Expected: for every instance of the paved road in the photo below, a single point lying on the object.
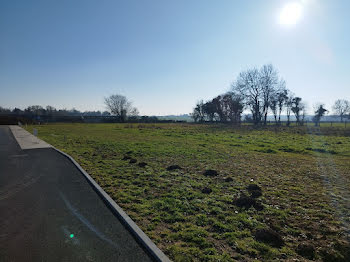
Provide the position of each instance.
(48, 211)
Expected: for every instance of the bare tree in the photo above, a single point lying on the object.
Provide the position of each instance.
(248, 85)
(119, 106)
(134, 112)
(259, 89)
(268, 76)
(341, 107)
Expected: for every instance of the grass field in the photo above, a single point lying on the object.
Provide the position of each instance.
(297, 204)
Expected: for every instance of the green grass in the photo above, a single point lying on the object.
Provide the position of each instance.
(304, 173)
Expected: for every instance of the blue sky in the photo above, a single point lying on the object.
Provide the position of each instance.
(165, 55)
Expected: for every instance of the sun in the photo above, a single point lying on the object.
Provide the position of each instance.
(291, 13)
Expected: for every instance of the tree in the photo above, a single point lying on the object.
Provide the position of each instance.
(282, 98)
(198, 114)
(134, 112)
(50, 110)
(319, 113)
(278, 101)
(209, 110)
(268, 76)
(218, 109)
(289, 106)
(258, 88)
(223, 108)
(273, 107)
(341, 107)
(17, 111)
(233, 106)
(248, 85)
(35, 110)
(298, 108)
(4, 110)
(119, 106)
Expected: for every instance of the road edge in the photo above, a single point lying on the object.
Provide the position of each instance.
(141, 237)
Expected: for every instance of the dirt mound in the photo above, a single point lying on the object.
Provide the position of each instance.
(254, 190)
(269, 236)
(142, 164)
(210, 172)
(206, 190)
(306, 250)
(173, 167)
(132, 161)
(247, 202)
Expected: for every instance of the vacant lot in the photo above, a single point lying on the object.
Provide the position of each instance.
(216, 193)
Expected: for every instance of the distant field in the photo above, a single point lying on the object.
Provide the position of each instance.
(303, 177)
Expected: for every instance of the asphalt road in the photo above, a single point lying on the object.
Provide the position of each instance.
(49, 212)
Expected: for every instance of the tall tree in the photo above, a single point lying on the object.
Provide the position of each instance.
(298, 108)
(198, 114)
(278, 101)
(289, 106)
(119, 106)
(233, 107)
(258, 88)
(282, 98)
(274, 107)
(248, 85)
(268, 76)
(341, 107)
(209, 110)
(228, 107)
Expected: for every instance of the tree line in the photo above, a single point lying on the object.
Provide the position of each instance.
(38, 111)
(261, 91)
(119, 109)
(117, 106)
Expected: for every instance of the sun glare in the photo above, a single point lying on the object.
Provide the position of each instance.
(291, 13)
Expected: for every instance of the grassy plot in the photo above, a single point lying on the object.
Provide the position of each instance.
(216, 193)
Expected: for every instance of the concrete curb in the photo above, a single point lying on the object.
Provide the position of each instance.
(140, 236)
(28, 141)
